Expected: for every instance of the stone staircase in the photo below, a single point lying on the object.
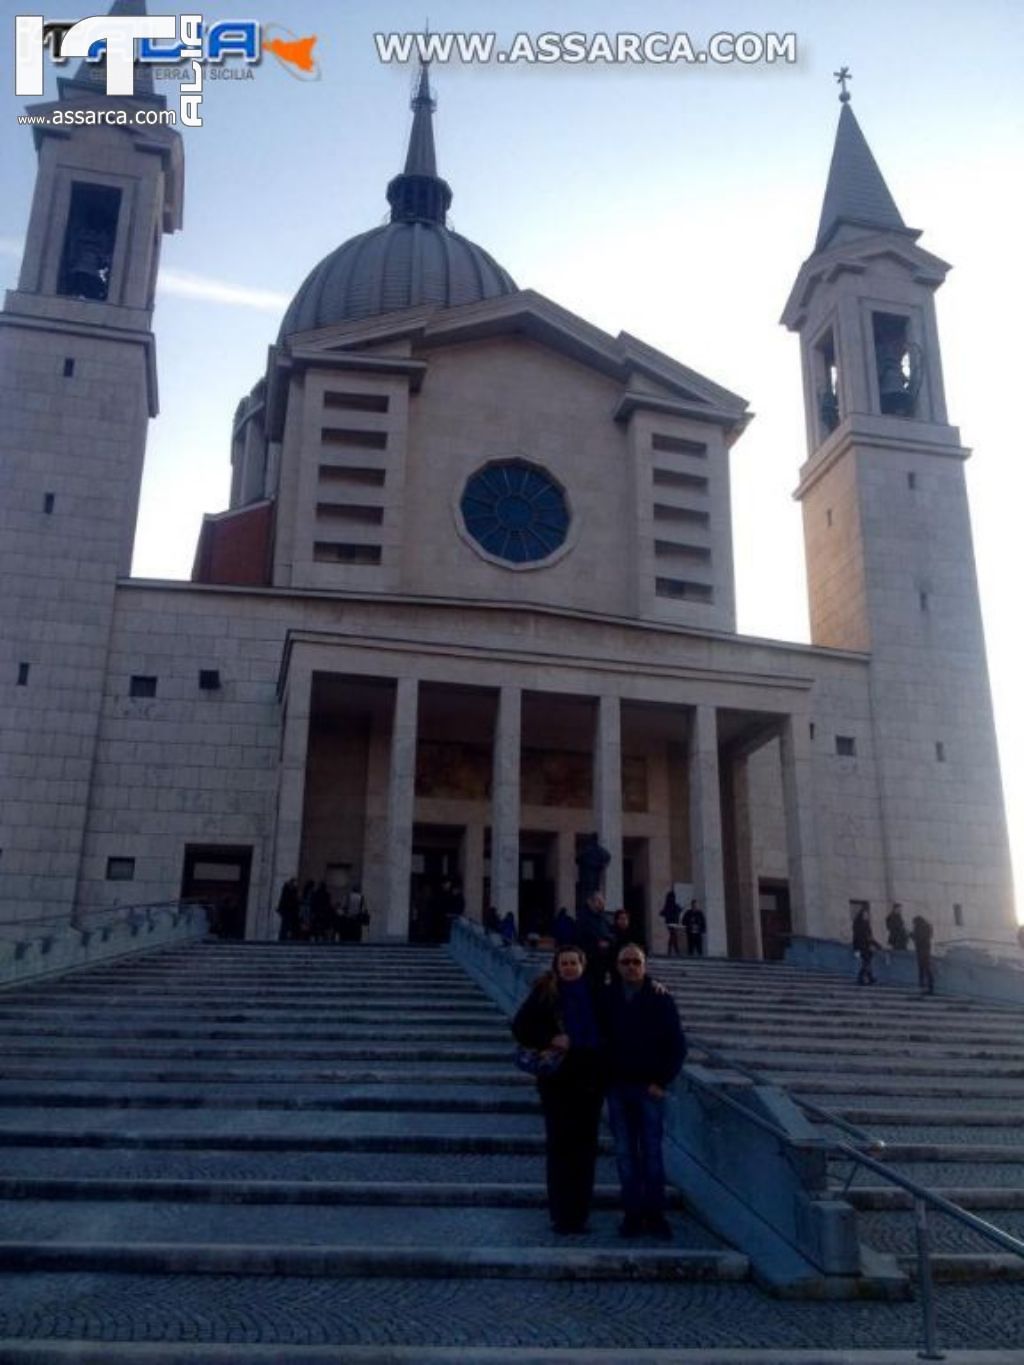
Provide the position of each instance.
(292, 1153)
(939, 1080)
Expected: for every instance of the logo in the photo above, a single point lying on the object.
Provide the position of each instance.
(295, 54)
(162, 39)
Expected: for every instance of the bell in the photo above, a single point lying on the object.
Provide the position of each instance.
(88, 272)
(894, 389)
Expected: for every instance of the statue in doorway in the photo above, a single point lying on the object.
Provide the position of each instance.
(591, 861)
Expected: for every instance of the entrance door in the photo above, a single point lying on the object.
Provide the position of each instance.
(634, 886)
(435, 872)
(536, 886)
(218, 874)
(776, 924)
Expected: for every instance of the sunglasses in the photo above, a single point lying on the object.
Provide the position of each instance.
(631, 962)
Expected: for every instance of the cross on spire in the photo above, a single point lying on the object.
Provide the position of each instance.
(842, 76)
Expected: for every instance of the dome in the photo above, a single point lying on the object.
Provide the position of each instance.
(414, 259)
(397, 265)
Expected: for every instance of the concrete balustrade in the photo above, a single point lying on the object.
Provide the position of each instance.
(767, 1196)
(63, 947)
(959, 969)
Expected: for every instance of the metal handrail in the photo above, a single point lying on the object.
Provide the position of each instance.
(922, 1196)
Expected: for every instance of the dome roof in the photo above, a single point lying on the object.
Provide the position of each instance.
(414, 259)
(398, 265)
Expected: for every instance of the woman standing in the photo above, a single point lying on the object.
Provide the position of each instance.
(560, 1016)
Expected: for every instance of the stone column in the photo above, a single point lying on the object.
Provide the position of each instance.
(566, 879)
(608, 794)
(401, 799)
(706, 825)
(473, 869)
(801, 834)
(505, 802)
(291, 784)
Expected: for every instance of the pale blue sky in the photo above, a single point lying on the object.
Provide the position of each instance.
(676, 203)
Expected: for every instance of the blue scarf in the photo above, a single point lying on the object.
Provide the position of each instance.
(578, 1013)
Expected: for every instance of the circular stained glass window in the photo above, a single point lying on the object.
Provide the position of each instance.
(515, 511)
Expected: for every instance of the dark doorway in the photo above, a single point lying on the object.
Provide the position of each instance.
(536, 885)
(634, 886)
(436, 853)
(218, 874)
(776, 923)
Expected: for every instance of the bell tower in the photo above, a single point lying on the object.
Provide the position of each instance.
(887, 534)
(78, 380)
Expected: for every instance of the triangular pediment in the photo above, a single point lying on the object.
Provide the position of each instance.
(645, 373)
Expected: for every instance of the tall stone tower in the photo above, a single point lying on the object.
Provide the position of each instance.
(78, 380)
(890, 562)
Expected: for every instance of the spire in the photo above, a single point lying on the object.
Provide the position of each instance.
(419, 194)
(93, 75)
(856, 193)
(420, 158)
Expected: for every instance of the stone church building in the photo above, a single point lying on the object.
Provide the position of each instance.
(473, 596)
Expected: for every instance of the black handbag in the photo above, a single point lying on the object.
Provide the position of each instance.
(539, 1062)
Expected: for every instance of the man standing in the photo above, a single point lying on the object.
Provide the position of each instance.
(646, 1050)
(594, 935)
(922, 935)
(696, 927)
(864, 945)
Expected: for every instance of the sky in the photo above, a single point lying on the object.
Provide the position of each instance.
(674, 202)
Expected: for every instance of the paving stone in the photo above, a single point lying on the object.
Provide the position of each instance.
(465, 1313)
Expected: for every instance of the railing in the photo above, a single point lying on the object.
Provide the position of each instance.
(923, 1199)
(90, 920)
(979, 974)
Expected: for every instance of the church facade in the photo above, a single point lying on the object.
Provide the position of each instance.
(472, 600)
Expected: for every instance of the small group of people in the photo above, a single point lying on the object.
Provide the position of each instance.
(435, 908)
(606, 1032)
(691, 921)
(311, 916)
(921, 933)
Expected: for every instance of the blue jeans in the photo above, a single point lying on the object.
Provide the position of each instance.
(637, 1122)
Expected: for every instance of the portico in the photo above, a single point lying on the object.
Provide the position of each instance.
(397, 777)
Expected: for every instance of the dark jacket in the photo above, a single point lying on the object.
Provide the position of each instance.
(646, 1041)
(899, 935)
(922, 936)
(540, 1017)
(694, 922)
(565, 930)
(863, 938)
(620, 937)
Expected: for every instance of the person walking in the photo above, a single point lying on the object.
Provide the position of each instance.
(671, 912)
(288, 911)
(623, 932)
(896, 929)
(322, 914)
(646, 1048)
(696, 927)
(922, 934)
(864, 945)
(562, 1015)
(564, 928)
(305, 930)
